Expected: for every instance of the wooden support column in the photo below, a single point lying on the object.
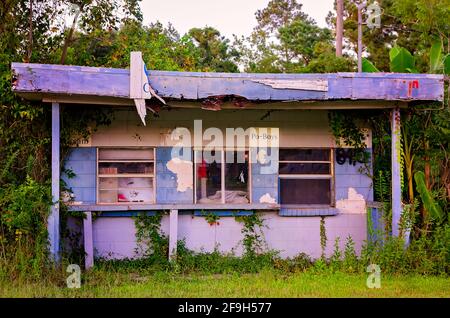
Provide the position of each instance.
(396, 171)
(53, 219)
(173, 234)
(88, 241)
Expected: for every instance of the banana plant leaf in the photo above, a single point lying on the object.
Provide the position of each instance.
(447, 64)
(436, 57)
(430, 205)
(401, 60)
(368, 67)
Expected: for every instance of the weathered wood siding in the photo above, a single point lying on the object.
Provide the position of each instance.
(43, 79)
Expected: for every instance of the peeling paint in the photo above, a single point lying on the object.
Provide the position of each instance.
(70, 80)
(354, 203)
(183, 171)
(261, 156)
(320, 85)
(266, 198)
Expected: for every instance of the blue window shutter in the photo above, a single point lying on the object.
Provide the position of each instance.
(83, 163)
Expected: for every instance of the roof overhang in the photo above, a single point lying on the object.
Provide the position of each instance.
(110, 86)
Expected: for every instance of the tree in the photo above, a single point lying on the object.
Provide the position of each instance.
(300, 38)
(324, 60)
(98, 15)
(284, 39)
(30, 31)
(411, 24)
(277, 14)
(214, 50)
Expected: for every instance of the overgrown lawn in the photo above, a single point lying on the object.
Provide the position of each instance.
(267, 283)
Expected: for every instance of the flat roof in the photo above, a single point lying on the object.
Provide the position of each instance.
(111, 86)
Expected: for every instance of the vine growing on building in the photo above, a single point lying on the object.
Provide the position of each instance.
(323, 236)
(382, 187)
(77, 126)
(346, 132)
(253, 240)
(151, 241)
(211, 218)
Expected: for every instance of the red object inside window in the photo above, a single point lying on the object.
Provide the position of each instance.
(201, 172)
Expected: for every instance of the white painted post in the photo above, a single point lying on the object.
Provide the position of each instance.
(396, 171)
(53, 219)
(137, 80)
(173, 234)
(88, 241)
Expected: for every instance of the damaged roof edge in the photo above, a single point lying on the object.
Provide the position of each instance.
(114, 83)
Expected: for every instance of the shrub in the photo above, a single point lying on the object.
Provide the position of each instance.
(24, 211)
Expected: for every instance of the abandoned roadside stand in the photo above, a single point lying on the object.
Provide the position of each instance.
(289, 170)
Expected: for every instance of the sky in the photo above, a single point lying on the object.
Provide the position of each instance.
(228, 16)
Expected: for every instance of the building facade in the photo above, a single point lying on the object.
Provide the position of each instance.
(219, 144)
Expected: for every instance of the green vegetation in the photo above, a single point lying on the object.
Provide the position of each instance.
(151, 242)
(404, 273)
(106, 283)
(285, 39)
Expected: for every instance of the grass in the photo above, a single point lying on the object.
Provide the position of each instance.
(267, 283)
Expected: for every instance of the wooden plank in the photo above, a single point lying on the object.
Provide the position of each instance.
(173, 233)
(137, 81)
(47, 80)
(297, 104)
(69, 80)
(166, 207)
(53, 219)
(73, 100)
(126, 213)
(126, 175)
(248, 89)
(136, 67)
(223, 213)
(396, 171)
(386, 87)
(302, 84)
(88, 241)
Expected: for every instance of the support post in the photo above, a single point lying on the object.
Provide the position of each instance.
(173, 234)
(88, 241)
(339, 26)
(396, 171)
(53, 219)
(360, 7)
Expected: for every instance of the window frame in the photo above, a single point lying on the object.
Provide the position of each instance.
(130, 175)
(223, 150)
(330, 176)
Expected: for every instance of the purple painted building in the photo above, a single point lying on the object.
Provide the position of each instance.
(226, 144)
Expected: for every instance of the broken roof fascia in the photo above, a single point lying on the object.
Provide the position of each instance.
(44, 81)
